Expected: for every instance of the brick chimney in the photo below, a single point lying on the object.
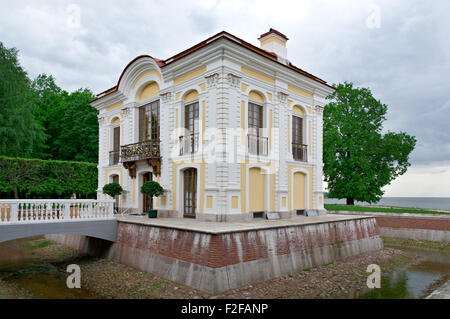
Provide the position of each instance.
(275, 41)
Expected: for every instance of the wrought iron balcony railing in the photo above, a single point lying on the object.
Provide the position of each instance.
(139, 151)
(114, 157)
(258, 145)
(189, 144)
(300, 152)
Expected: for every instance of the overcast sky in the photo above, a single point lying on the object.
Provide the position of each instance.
(399, 49)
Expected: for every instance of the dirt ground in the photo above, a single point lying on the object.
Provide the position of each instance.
(107, 279)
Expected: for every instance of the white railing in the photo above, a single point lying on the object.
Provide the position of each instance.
(51, 210)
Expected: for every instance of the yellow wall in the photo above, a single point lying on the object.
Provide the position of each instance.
(114, 106)
(256, 189)
(243, 187)
(257, 75)
(234, 202)
(299, 91)
(244, 87)
(202, 87)
(209, 202)
(191, 96)
(145, 74)
(115, 121)
(283, 201)
(273, 39)
(298, 110)
(290, 186)
(256, 96)
(299, 190)
(189, 75)
(149, 91)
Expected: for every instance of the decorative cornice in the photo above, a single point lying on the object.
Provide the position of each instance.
(319, 109)
(167, 97)
(234, 80)
(281, 97)
(212, 80)
(101, 120)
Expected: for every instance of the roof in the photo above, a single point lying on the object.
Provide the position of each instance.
(275, 32)
(221, 35)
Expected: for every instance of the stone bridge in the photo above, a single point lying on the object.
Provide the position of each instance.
(24, 218)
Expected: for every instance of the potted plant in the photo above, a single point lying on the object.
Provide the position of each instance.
(113, 189)
(152, 188)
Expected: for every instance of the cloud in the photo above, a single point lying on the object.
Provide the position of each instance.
(399, 49)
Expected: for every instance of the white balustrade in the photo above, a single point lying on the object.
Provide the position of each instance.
(51, 210)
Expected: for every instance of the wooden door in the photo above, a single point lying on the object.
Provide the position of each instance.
(147, 201)
(190, 192)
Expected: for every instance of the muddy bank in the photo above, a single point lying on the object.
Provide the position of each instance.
(35, 268)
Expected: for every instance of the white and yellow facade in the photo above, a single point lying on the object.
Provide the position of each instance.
(235, 177)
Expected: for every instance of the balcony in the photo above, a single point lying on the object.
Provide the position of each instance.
(188, 144)
(114, 157)
(258, 145)
(300, 152)
(140, 151)
(145, 150)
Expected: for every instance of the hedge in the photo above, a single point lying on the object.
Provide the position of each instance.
(35, 178)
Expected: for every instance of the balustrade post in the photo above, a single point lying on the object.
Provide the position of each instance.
(66, 213)
(14, 212)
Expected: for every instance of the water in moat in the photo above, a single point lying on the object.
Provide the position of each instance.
(20, 265)
(24, 268)
(410, 281)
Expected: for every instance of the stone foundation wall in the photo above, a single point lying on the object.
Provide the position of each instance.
(218, 262)
(411, 226)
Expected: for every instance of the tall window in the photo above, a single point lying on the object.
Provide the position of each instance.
(191, 117)
(149, 122)
(191, 124)
(257, 144)
(114, 155)
(255, 118)
(299, 150)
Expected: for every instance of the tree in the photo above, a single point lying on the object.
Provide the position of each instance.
(78, 135)
(112, 189)
(15, 175)
(152, 188)
(20, 133)
(70, 122)
(358, 159)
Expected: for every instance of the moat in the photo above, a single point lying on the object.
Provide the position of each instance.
(36, 268)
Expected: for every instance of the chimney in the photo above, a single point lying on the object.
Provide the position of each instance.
(275, 41)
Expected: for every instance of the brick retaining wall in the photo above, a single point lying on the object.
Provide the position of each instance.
(218, 262)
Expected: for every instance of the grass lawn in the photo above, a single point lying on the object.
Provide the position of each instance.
(382, 210)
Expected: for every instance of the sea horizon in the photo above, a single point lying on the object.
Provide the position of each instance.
(440, 203)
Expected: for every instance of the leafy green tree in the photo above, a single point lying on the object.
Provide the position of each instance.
(50, 108)
(70, 122)
(20, 133)
(358, 159)
(78, 136)
(112, 189)
(152, 188)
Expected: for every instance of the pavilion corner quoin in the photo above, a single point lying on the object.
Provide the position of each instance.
(266, 115)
